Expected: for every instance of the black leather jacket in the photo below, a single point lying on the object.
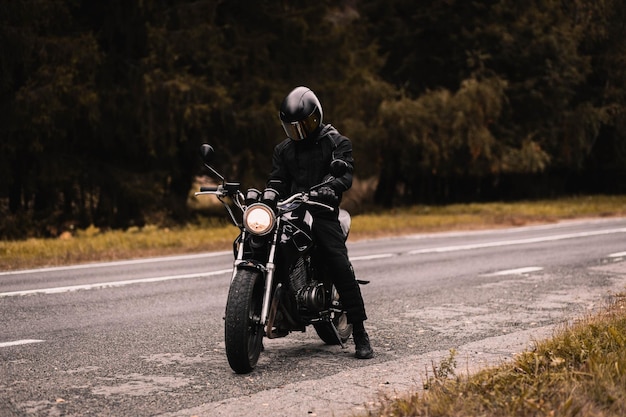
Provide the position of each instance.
(299, 165)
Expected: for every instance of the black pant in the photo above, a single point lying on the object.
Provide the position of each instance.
(333, 253)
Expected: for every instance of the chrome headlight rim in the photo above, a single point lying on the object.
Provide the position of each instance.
(259, 219)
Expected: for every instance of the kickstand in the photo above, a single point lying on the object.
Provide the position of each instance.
(332, 325)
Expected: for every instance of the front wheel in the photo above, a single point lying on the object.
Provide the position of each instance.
(344, 329)
(242, 331)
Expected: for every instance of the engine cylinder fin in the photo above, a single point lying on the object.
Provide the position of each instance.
(298, 275)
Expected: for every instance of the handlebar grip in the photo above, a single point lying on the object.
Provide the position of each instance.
(208, 189)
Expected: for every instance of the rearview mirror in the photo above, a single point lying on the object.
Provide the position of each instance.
(338, 168)
(207, 153)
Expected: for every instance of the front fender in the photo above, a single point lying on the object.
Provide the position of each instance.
(251, 264)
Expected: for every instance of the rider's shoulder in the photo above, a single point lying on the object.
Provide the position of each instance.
(283, 145)
(335, 137)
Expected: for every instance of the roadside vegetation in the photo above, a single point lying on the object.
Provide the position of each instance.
(105, 104)
(93, 244)
(579, 372)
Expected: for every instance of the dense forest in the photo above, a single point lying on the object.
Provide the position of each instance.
(103, 104)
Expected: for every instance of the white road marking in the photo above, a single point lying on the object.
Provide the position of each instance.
(617, 255)
(442, 249)
(111, 284)
(19, 342)
(370, 257)
(517, 271)
(516, 241)
(117, 263)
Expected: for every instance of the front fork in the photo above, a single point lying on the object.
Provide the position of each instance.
(269, 278)
(268, 270)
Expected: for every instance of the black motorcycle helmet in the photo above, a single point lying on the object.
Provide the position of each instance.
(300, 113)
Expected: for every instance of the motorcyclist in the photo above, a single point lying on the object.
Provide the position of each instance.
(301, 161)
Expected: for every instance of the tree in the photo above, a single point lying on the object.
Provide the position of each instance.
(104, 105)
(602, 108)
(49, 92)
(532, 50)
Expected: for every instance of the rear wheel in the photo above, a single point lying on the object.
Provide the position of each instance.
(243, 331)
(344, 329)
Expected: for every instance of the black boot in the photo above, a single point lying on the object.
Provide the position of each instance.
(363, 349)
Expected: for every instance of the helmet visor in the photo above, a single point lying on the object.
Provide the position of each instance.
(302, 129)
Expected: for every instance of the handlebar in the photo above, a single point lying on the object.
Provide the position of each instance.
(209, 189)
(218, 190)
(303, 197)
(297, 196)
(213, 190)
(222, 190)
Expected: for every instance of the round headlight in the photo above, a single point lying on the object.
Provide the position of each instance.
(259, 219)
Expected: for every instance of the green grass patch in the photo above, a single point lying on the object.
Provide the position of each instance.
(93, 244)
(579, 372)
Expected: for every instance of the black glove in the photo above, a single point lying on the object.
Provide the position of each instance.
(326, 195)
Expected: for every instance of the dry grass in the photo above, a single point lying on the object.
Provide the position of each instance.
(580, 372)
(419, 219)
(93, 244)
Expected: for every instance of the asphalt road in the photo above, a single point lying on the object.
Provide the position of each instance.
(145, 337)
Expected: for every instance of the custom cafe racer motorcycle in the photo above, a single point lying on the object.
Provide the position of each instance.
(278, 284)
